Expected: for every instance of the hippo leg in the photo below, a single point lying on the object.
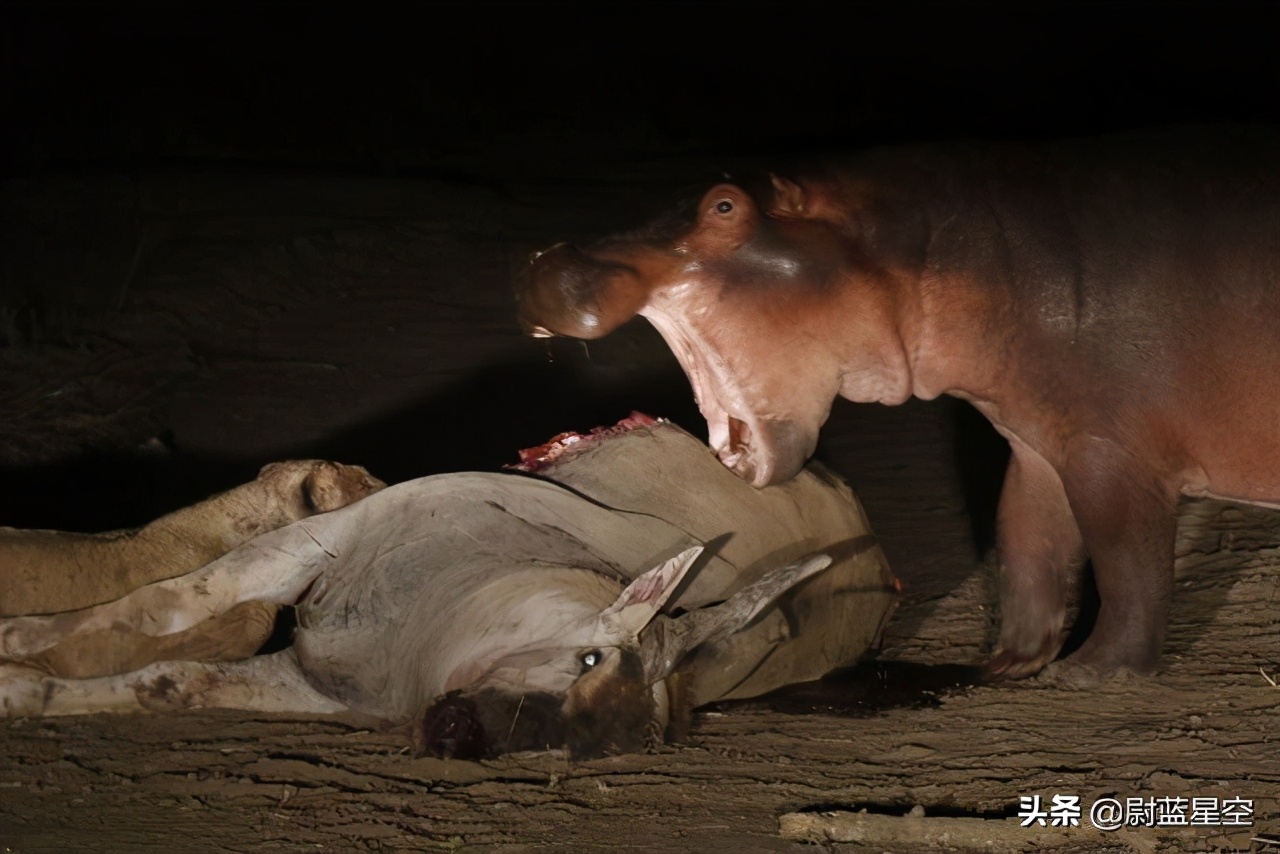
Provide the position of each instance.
(1040, 553)
(270, 683)
(1129, 520)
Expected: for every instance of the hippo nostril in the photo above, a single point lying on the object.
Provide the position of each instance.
(451, 729)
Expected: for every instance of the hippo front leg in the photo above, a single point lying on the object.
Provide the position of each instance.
(1128, 517)
(1040, 553)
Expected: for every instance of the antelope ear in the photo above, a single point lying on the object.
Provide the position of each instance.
(669, 640)
(566, 291)
(789, 198)
(645, 596)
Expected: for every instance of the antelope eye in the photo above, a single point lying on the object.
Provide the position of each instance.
(590, 659)
(724, 206)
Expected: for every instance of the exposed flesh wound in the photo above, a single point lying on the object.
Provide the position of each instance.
(565, 445)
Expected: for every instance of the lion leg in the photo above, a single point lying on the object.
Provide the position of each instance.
(49, 572)
(231, 636)
(275, 568)
(269, 683)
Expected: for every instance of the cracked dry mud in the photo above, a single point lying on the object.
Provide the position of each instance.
(372, 322)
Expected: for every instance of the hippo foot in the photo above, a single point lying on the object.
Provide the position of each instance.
(1006, 664)
(1079, 675)
(1103, 660)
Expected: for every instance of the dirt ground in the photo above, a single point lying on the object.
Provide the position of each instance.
(240, 321)
(231, 238)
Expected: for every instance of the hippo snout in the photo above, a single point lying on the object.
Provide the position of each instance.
(566, 291)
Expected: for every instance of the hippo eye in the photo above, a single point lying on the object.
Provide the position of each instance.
(724, 206)
(590, 659)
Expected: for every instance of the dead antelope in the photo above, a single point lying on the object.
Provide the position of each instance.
(508, 611)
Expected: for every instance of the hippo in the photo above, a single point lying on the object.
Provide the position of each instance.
(1110, 304)
(587, 601)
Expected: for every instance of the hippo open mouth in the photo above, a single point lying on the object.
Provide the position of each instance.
(774, 452)
(760, 450)
(739, 453)
(739, 442)
(750, 420)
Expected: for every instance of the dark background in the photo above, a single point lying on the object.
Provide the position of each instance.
(498, 90)
(544, 101)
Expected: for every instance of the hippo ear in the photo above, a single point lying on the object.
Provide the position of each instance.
(566, 291)
(789, 198)
(727, 218)
(667, 641)
(643, 598)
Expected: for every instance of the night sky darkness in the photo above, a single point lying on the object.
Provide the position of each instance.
(513, 91)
